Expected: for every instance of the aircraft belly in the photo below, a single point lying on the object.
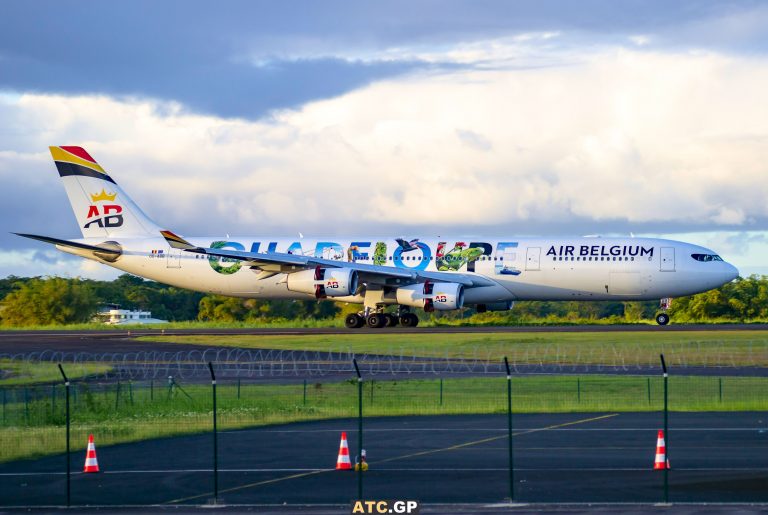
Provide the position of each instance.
(559, 284)
(631, 283)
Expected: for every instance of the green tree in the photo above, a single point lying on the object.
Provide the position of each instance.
(49, 301)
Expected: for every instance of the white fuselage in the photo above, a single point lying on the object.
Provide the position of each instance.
(592, 268)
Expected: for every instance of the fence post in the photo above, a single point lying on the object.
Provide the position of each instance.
(371, 392)
(4, 402)
(305, 392)
(130, 391)
(215, 440)
(26, 406)
(720, 381)
(649, 389)
(578, 389)
(238, 388)
(441, 391)
(151, 390)
(117, 394)
(509, 432)
(53, 401)
(69, 468)
(359, 430)
(666, 430)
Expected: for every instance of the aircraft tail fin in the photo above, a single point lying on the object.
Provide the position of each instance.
(102, 208)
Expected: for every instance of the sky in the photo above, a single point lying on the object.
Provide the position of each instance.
(401, 118)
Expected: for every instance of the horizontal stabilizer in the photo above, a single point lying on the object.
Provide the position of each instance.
(109, 251)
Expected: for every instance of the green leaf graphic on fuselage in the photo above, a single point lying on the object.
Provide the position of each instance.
(380, 254)
(215, 262)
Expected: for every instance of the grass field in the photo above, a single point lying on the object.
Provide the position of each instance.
(730, 348)
(33, 417)
(21, 373)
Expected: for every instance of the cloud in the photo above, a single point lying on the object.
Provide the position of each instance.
(253, 57)
(625, 140)
(474, 140)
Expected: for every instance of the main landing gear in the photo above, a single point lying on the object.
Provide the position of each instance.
(662, 318)
(377, 320)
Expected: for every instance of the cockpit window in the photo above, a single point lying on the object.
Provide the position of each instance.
(706, 257)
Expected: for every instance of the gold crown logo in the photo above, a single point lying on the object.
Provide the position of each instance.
(103, 196)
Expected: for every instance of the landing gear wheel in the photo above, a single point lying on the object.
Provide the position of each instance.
(392, 320)
(662, 319)
(376, 320)
(354, 321)
(409, 320)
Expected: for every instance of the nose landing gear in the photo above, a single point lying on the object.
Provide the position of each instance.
(662, 318)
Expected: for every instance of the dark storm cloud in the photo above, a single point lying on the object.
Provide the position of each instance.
(202, 54)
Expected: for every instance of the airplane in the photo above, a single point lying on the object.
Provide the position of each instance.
(490, 274)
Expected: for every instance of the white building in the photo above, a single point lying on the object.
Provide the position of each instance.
(118, 316)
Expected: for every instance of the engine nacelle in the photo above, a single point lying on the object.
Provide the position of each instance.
(432, 296)
(496, 306)
(324, 282)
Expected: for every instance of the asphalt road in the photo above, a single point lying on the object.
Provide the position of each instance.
(576, 457)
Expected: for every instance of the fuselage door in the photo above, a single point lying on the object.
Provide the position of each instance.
(533, 258)
(667, 259)
(174, 258)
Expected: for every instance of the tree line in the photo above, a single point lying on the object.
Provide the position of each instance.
(57, 301)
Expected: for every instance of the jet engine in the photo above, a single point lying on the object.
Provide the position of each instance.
(324, 282)
(432, 296)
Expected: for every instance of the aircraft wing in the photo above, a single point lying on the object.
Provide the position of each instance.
(281, 262)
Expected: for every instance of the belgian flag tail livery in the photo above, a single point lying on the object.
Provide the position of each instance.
(101, 207)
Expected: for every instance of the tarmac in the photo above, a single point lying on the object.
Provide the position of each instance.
(463, 460)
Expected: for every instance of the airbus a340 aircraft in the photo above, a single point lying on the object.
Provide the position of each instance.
(431, 274)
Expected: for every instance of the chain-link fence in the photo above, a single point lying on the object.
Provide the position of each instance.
(436, 437)
(540, 357)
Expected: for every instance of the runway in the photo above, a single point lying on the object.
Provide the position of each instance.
(123, 340)
(598, 457)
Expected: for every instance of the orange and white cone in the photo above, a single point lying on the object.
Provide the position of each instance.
(91, 464)
(342, 462)
(661, 461)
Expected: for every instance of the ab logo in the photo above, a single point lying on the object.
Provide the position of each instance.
(108, 214)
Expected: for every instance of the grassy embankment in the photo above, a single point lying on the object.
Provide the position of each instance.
(24, 373)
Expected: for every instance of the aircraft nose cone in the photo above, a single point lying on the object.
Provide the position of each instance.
(731, 272)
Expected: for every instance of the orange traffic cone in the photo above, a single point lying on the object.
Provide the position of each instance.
(342, 462)
(91, 465)
(661, 461)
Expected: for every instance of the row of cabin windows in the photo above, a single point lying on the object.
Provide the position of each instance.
(404, 258)
(431, 258)
(589, 258)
